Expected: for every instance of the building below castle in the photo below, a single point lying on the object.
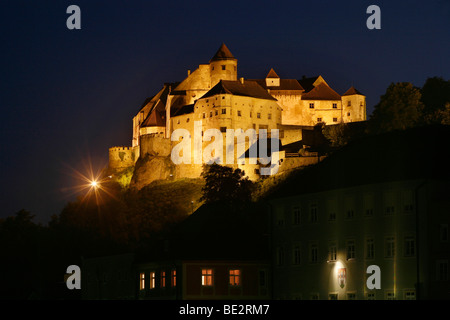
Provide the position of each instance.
(213, 97)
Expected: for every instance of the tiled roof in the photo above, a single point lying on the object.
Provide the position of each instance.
(308, 83)
(352, 91)
(154, 119)
(272, 74)
(285, 84)
(223, 54)
(321, 92)
(247, 89)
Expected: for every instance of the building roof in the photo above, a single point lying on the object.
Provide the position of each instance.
(285, 84)
(321, 92)
(154, 119)
(189, 108)
(309, 83)
(247, 89)
(352, 91)
(272, 74)
(223, 54)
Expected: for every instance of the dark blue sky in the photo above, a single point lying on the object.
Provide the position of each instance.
(68, 95)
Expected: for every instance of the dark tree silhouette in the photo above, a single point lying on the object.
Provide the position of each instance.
(225, 184)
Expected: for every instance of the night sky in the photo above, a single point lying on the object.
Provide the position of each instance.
(68, 95)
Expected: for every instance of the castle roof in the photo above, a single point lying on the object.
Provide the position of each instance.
(154, 119)
(352, 91)
(321, 92)
(189, 108)
(247, 89)
(309, 83)
(285, 84)
(272, 74)
(223, 54)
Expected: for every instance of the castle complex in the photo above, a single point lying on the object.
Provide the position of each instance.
(213, 97)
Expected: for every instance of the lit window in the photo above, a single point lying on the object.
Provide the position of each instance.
(152, 280)
(410, 246)
(297, 215)
(207, 277)
(224, 111)
(163, 279)
(332, 252)
(443, 232)
(311, 105)
(389, 247)
(235, 277)
(174, 278)
(370, 248)
(334, 105)
(296, 255)
(142, 281)
(351, 249)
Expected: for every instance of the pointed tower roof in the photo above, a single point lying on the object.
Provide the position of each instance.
(352, 91)
(223, 54)
(272, 74)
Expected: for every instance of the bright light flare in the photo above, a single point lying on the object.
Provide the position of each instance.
(94, 184)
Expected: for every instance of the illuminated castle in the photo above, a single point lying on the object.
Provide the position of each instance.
(214, 95)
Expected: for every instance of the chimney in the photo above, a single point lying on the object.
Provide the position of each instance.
(242, 80)
(189, 73)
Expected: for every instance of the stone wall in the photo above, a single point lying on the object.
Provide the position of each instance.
(122, 157)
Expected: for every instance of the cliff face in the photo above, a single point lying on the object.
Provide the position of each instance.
(151, 168)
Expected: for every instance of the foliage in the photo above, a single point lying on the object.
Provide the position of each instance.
(399, 108)
(435, 97)
(222, 183)
(338, 135)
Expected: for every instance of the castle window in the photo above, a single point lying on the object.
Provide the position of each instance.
(389, 247)
(223, 67)
(204, 115)
(210, 114)
(207, 100)
(334, 105)
(223, 129)
(351, 249)
(239, 113)
(370, 248)
(311, 105)
(250, 114)
(178, 121)
(234, 68)
(334, 119)
(224, 111)
(360, 103)
(348, 114)
(212, 68)
(319, 119)
(217, 112)
(258, 115)
(313, 253)
(410, 245)
(296, 255)
(332, 251)
(187, 120)
(223, 97)
(269, 116)
(207, 277)
(349, 103)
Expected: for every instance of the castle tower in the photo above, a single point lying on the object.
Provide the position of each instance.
(223, 66)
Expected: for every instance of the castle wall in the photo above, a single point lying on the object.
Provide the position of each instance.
(155, 144)
(122, 157)
(354, 108)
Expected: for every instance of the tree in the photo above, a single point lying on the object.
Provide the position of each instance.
(399, 108)
(225, 184)
(435, 96)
